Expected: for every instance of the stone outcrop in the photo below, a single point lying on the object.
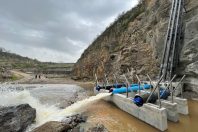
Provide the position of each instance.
(127, 43)
(136, 40)
(98, 128)
(69, 123)
(16, 118)
(53, 126)
(189, 51)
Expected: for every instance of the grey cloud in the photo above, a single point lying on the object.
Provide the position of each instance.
(58, 27)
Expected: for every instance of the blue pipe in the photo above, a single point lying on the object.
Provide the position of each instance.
(139, 100)
(133, 88)
(108, 87)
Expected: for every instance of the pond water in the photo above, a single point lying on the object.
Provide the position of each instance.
(51, 101)
(117, 120)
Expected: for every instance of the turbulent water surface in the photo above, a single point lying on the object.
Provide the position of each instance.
(117, 120)
(50, 102)
(46, 99)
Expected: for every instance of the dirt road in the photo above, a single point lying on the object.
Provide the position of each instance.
(30, 79)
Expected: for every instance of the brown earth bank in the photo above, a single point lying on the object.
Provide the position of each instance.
(18, 118)
(70, 124)
(30, 79)
(136, 40)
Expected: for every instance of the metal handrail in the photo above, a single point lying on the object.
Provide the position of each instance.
(139, 83)
(127, 86)
(155, 88)
(96, 79)
(106, 81)
(179, 84)
(169, 83)
(151, 82)
(115, 79)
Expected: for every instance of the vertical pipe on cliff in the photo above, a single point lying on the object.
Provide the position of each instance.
(167, 42)
(176, 37)
(170, 42)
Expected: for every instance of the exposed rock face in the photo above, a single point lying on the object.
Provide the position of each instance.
(69, 123)
(16, 118)
(128, 43)
(74, 120)
(98, 128)
(189, 53)
(53, 126)
(136, 40)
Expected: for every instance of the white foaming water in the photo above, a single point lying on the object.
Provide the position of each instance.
(80, 106)
(45, 113)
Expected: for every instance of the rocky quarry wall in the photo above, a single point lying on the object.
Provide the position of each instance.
(136, 40)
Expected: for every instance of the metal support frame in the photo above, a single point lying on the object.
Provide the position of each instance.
(179, 84)
(96, 80)
(139, 83)
(131, 74)
(106, 81)
(158, 93)
(171, 88)
(154, 91)
(127, 86)
(116, 81)
(151, 82)
(169, 85)
(157, 87)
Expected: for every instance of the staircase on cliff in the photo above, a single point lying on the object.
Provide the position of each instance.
(172, 41)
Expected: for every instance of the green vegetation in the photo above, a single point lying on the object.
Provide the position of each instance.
(120, 24)
(124, 19)
(15, 77)
(14, 61)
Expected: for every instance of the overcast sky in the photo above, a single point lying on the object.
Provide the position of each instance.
(55, 30)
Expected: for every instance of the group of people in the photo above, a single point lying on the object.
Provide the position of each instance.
(38, 76)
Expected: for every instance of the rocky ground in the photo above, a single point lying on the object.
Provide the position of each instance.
(16, 118)
(69, 124)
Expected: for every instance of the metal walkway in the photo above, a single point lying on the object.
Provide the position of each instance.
(173, 39)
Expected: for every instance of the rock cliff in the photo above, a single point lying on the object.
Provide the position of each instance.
(136, 40)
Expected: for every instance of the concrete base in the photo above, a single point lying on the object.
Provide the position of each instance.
(148, 113)
(171, 110)
(182, 105)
